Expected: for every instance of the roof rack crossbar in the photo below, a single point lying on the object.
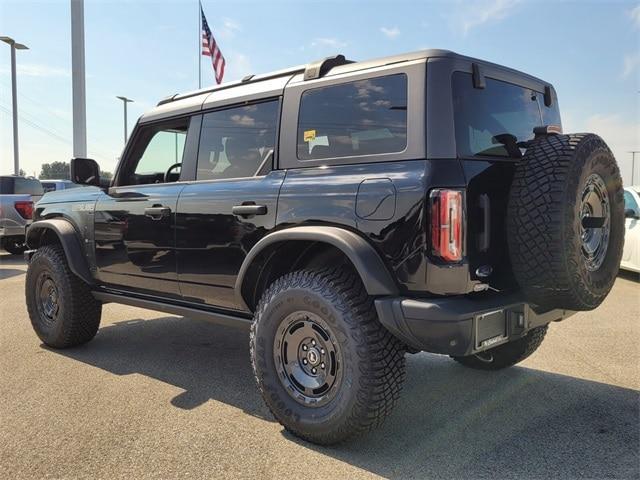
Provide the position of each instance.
(319, 68)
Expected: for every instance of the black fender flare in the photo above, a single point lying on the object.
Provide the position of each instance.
(68, 236)
(370, 267)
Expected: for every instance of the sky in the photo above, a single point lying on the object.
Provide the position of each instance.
(146, 50)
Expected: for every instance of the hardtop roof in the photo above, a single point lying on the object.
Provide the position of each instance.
(164, 107)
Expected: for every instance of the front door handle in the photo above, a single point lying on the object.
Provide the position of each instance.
(249, 210)
(157, 212)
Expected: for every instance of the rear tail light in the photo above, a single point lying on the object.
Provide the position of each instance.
(446, 224)
(25, 209)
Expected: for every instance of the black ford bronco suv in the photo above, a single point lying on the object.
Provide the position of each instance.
(347, 213)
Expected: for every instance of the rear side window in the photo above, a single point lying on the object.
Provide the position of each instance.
(49, 186)
(356, 118)
(493, 120)
(630, 202)
(6, 185)
(29, 186)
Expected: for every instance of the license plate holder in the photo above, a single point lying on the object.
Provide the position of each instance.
(491, 329)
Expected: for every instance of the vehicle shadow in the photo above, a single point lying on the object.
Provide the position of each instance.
(635, 276)
(11, 260)
(9, 272)
(451, 422)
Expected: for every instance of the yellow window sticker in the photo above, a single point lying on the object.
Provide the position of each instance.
(309, 135)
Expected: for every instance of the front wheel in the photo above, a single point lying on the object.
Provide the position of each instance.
(327, 369)
(62, 310)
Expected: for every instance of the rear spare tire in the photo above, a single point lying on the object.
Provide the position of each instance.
(565, 221)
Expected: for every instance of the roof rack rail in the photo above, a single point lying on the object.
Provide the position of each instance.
(245, 80)
(320, 68)
(167, 99)
(313, 70)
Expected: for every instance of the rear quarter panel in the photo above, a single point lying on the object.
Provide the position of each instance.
(358, 197)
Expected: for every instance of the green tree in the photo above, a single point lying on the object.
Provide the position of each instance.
(55, 170)
(104, 174)
(22, 173)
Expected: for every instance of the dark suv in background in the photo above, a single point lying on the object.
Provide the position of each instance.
(347, 213)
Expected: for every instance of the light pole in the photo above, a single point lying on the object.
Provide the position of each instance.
(14, 97)
(125, 100)
(78, 86)
(633, 164)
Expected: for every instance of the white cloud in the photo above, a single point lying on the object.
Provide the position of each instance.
(232, 25)
(635, 15)
(237, 66)
(471, 15)
(244, 120)
(631, 64)
(621, 135)
(328, 42)
(36, 70)
(228, 30)
(390, 32)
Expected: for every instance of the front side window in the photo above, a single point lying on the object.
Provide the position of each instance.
(492, 121)
(237, 142)
(356, 118)
(157, 153)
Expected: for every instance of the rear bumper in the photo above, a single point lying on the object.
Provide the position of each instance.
(12, 231)
(461, 325)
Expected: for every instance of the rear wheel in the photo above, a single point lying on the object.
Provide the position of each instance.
(325, 366)
(62, 310)
(565, 221)
(507, 354)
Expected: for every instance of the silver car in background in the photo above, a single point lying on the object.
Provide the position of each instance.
(17, 197)
(631, 251)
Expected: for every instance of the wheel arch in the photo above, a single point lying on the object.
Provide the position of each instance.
(44, 231)
(303, 242)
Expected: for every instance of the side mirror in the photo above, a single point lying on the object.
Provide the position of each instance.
(85, 171)
(630, 213)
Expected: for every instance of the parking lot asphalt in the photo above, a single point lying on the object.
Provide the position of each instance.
(164, 397)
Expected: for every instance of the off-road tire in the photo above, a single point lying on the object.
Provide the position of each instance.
(14, 247)
(544, 221)
(373, 366)
(78, 313)
(508, 354)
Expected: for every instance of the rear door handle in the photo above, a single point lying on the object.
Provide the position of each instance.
(248, 210)
(157, 212)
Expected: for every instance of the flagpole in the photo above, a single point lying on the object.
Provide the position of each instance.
(199, 45)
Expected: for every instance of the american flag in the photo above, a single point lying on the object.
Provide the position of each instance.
(210, 49)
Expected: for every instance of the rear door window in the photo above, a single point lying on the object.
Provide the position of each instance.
(364, 117)
(238, 142)
(493, 120)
